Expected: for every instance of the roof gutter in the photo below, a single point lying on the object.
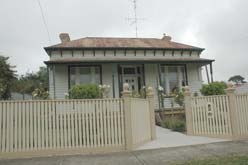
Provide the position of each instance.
(207, 61)
(47, 49)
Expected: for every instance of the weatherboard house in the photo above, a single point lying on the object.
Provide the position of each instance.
(160, 63)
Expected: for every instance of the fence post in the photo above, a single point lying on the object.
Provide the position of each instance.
(150, 96)
(233, 111)
(188, 110)
(126, 95)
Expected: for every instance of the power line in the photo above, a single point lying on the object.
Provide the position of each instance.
(44, 21)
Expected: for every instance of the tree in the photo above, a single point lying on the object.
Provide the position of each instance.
(215, 88)
(33, 83)
(237, 79)
(7, 77)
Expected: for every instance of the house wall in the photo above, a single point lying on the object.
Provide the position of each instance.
(152, 79)
(151, 70)
(194, 77)
(61, 81)
(51, 82)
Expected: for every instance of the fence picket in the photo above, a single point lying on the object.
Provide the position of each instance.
(245, 111)
(72, 119)
(111, 123)
(115, 109)
(3, 118)
(39, 124)
(76, 131)
(118, 122)
(34, 124)
(50, 138)
(83, 111)
(240, 112)
(87, 129)
(94, 124)
(98, 132)
(80, 123)
(217, 118)
(65, 126)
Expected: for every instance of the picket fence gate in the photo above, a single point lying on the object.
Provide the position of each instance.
(222, 116)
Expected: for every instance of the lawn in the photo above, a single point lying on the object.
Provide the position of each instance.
(227, 160)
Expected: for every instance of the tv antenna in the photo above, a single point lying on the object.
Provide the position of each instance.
(135, 19)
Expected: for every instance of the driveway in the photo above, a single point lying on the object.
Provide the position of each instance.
(167, 138)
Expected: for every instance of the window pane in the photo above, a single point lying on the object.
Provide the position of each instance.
(129, 70)
(73, 80)
(72, 76)
(73, 70)
(173, 78)
(85, 75)
(97, 75)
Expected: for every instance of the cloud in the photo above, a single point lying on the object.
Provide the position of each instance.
(219, 26)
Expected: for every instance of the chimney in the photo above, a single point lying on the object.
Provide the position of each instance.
(64, 37)
(167, 38)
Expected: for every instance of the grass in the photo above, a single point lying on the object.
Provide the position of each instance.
(227, 160)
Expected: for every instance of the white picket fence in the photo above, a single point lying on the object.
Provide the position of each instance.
(67, 126)
(224, 116)
(242, 114)
(41, 125)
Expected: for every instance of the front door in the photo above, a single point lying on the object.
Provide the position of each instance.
(133, 75)
(132, 81)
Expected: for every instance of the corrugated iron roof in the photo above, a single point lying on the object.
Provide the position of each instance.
(125, 43)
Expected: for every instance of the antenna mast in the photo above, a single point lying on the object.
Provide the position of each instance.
(135, 19)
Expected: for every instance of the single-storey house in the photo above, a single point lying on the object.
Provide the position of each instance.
(156, 62)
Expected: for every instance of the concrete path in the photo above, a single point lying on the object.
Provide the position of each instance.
(162, 156)
(167, 138)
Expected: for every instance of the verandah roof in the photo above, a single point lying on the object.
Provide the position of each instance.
(129, 60)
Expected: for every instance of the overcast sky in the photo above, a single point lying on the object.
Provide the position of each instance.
(219, 26)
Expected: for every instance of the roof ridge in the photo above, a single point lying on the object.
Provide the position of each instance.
(122, 38)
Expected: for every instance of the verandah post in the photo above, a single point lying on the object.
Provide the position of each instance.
(232, 110)
(150, 96)
(126, 95)
(188, 110)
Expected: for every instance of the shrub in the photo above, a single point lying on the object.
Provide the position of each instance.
(40, 93)
(175, 124)
(85, 91)
(178, 96)
(215, 88)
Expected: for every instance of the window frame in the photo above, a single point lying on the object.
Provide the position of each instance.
(71, 66)
(171, 65)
